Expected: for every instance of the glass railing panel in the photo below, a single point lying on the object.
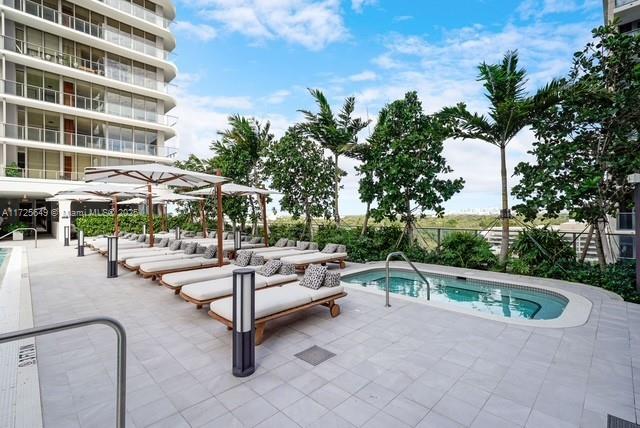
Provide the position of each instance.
(620, 3)
(138, 12)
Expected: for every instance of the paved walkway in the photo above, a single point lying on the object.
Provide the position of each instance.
(409, 365)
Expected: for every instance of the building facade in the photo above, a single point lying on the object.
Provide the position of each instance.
(626, 11)
(84, 83)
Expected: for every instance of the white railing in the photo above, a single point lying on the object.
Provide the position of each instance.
(620, 3)
(55, 136)
(41, 174)
(138, 12)
(85, 103)
(100, 31)
(120, 74)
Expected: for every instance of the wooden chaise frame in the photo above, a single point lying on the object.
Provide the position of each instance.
(155, 275)
(330, 302)
(200, 303)
(340, 261)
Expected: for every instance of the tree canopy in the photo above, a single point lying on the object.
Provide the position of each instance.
(403, 168)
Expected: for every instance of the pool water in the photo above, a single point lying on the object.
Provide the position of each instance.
(500, 300)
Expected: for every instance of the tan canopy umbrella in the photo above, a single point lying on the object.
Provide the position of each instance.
(233, 189)
(156, 174)
(104, 190)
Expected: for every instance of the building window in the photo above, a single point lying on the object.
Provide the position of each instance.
(627, 246)
(625, 221)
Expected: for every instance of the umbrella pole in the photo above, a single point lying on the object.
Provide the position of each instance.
(263, 203)
(220, 222)
(150, 211)
(116, 229)
(203, 219)
(165, 220)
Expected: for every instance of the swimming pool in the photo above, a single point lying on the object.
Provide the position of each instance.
(509, 301)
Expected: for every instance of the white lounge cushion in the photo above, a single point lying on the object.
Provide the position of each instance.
(272, 250)
(189, 261)
(213, 289)
(178, 279)
(316, 257)
(145, 252)
(320, 293)
(277, 255)
(139, 261)
(268, 302)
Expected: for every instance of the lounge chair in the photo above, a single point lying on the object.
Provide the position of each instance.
(302, 247)
(331, 253)
(178, 250)
(175, 281)
(155, 270)
(276, 302)
(201, 293)
(282, 245)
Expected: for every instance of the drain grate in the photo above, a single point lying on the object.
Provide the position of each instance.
(315, 355)
(615, 422)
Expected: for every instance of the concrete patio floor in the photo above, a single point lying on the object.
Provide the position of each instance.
(409, 365)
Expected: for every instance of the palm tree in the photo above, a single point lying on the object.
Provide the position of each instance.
(511, 110)
(338, 134)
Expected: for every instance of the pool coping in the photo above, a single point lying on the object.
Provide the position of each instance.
(575, 314)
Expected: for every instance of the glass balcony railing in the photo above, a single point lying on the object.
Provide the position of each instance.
(85, 103)
(55, 136)
(102, 31)
(138, 12)
(42, 174)
(620, 3)
(119, 73)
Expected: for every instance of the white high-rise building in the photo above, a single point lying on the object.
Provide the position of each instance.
(84, 83)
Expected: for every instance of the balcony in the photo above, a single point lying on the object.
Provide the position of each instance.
(55, 136)
(138, 12)
(100, 31)
(120, 74)
(84, 103)
(42, 174)
(620, 3)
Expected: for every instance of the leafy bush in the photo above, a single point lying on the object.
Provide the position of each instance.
(618, 277)
(542, 252)
(13, 170)
(10, 227)
(375, 245)
(102, 224)
(466, 250)
(290, 230)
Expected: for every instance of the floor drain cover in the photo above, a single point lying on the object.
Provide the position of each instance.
(315, 355)
(614, 422)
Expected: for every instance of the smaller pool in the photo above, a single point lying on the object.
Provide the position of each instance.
(510, 301)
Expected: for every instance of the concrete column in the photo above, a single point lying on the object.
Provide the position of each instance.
(64, 219)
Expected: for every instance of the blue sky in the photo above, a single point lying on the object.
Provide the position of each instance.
(258, 57)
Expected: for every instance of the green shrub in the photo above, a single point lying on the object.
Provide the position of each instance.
(542, 252)
(102, 224)
(10, 227)
(291, 230)
(375, 245)
(617, 277)
(466, 250)
(13, 170)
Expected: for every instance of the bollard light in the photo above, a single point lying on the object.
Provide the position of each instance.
(237, 240)
(67, 235)
(144, 229)
(244, 336)
(112, 256)
(80, 243)
(177, 232)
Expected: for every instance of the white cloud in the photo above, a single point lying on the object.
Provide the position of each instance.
(278, 97)
(364, 76)
(359, 5)
(313, 24)
(539, 8)
(402, 18)
(201, 32)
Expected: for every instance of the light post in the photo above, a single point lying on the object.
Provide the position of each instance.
(244, 333)
(67, 235)
(112, 256)
(177, 232)
(144, 229)
(635, 180)
(237, 240)
(80, 243)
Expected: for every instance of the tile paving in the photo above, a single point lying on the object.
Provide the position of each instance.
(408, 365)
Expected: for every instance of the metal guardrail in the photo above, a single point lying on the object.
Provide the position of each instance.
(121, 385)
(23, 228)
(406, 259)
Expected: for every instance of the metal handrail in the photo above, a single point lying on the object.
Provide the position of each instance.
(406, 259)
(23, 228)
(121, 385)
